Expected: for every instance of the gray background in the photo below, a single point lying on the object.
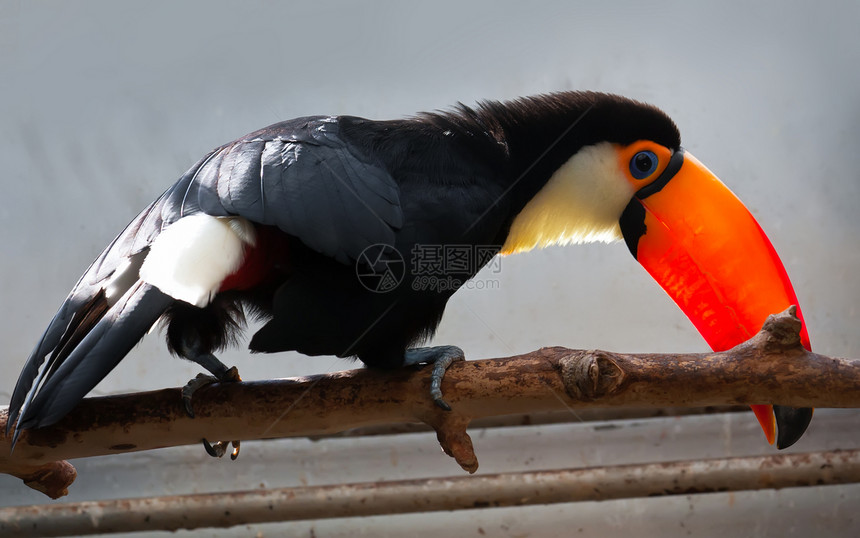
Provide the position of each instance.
(103, 105)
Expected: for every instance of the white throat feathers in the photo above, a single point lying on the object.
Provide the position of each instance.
(581, 203)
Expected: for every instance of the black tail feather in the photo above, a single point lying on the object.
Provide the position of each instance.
(30, 374)
(84, 319)
(85, 308)
(64, 382)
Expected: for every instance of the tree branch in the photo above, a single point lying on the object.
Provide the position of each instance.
(772, 367)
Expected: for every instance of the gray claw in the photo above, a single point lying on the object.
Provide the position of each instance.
(225, 375)
(442, 404)
(219, 448)
(441, 357)
(193, 386)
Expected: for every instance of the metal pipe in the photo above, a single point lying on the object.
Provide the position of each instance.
(434, 494)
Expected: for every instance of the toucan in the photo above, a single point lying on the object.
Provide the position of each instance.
(321, 226)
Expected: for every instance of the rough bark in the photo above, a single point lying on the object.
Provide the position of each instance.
(772, 367)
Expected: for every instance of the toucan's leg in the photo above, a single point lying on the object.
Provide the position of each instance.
(441, 357)
(220, 374)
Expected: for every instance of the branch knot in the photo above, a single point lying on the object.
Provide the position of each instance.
(589, 375)
(782, 331)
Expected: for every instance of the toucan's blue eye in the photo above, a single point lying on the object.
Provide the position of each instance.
(643, 164)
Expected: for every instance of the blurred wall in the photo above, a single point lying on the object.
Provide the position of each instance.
(104, 104)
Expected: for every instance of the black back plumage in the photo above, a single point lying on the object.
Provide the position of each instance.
(333, 186)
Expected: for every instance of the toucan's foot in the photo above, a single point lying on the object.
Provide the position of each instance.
(441, 357)
(193, 386)
(229, 375)
(220, 374)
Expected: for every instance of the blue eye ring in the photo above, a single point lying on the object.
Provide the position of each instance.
(643, 164)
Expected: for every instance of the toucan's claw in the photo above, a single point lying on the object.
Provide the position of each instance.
(193, 386)
(441, 357)
(219, 448)
(228, 375)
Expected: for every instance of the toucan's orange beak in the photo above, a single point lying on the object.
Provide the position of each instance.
(702, 245)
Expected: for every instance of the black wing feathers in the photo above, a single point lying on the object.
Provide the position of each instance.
(298, 175)
(307, 182)
(301, 177)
